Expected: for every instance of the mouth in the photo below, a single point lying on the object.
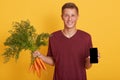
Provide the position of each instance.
(70, 23)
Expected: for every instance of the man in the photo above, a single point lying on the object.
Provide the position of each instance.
(69, 48)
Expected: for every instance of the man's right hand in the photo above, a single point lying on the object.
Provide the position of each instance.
(47, 59)
(36, 54)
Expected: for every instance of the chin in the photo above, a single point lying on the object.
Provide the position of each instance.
(70, 27)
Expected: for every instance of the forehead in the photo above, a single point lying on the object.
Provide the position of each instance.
(70, 10)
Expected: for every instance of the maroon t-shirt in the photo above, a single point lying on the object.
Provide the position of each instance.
(69, 54)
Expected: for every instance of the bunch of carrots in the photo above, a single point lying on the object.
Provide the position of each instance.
(37, 66)
(23, 36)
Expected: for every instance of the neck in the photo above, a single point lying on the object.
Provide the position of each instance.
(69, 32)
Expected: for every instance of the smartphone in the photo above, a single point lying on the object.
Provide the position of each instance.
(93, 55)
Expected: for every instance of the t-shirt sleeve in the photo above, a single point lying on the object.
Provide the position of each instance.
(89, 45)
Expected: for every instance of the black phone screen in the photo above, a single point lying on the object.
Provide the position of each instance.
(93, 55)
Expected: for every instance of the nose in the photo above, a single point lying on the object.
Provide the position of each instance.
(69, 18)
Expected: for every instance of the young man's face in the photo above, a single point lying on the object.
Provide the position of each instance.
(69, 17)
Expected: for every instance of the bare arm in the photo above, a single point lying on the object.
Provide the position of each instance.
(47, 59)
(87, 63)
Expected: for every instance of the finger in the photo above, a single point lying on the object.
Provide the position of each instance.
(34, 54)
(99, 56)
(37, 52)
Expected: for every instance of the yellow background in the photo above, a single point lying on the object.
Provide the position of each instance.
(101, 18)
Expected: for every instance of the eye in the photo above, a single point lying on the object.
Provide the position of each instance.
(65, 15)
(72, 15)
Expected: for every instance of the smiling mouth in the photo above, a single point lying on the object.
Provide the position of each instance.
(69, 23)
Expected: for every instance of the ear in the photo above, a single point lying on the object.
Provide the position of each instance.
(78, 16)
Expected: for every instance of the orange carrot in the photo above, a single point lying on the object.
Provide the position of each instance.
(37, 60)
(43, 65)
(38, 73)
(36, 68)
(32, 69)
